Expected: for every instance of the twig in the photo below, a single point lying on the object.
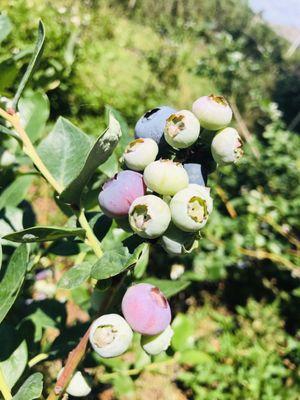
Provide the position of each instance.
(228, 204)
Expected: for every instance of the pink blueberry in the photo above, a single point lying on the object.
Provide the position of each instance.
(146, 309)
(118, 193)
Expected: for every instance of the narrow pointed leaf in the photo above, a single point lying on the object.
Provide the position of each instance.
(12, 280)
(36, 56)
(44, 234)
(99, 153)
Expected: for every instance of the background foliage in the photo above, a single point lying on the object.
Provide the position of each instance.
(237, 325)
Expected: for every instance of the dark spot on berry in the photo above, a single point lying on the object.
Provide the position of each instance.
(158, 296)
(151, 112)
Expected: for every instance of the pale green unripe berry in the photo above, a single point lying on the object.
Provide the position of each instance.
(165, 177)
(149, 216)
(176, 242)
(190, 208)
(139, 153)
(110, 335)
(154, 345)
(226, 147)
(182, 129)
(78, 385)
(213, 112)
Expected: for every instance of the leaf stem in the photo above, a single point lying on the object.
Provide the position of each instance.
(4, 389)
(93, 241)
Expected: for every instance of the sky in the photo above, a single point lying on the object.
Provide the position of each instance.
(279, 12)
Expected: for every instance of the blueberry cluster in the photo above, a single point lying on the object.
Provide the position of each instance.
(163, 193)
(146, 311)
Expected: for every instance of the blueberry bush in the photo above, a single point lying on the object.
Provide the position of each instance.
(122, 275)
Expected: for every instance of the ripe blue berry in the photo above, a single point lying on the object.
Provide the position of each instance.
(152, 123)
(196, 173)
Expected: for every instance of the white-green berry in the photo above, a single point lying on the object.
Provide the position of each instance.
(190, 208)
(165, 177)
(176, 242)
(139, 153)
(78, 385)
(182, 129)
(149, 216)
(227, 146)
(110, 335)
(154, 345)
(213, 112)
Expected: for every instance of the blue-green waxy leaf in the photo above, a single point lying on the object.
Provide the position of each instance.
(99, 153)
(75, 276)
(5, 27)
(44, 234)
(36, 56)
(64, 151)
(111, 263)
(12, 280)
(16, 192)
(31, 389)
(169, 288)
(34, 111)
(13, 354)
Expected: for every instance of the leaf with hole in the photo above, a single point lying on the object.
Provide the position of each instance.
(44, 234)
(99, 153)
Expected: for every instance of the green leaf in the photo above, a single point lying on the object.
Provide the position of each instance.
(99, 153)
(111, 263)
(5, 27)
(75, 276)
(11, 133)
(31, 388)
(12, 280)
(40, 320)
(44, 234)
(184, 332)
(37, 54)
(13, 354)
(64, 151)
(142, 259)
(34, 111)
(1, 255)
(169, 288)
(194, 357)
(16, 192)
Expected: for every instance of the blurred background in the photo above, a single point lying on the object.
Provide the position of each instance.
(237, 324)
